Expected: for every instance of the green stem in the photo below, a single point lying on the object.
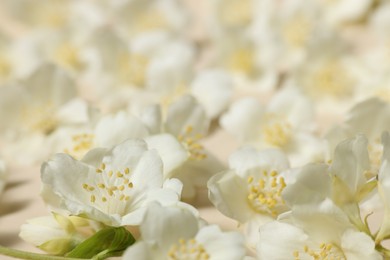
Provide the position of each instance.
(31, 256)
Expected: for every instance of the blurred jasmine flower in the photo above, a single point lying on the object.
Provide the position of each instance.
(339, 13)
(285, 123)
(112, 186)
(175, 233)
(137, 17)
(35, 109)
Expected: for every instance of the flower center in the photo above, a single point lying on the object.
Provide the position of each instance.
(187, 250)
(190, 142)
(236, 13)
(277, 134)
(132, 68)
(5, 67)
(325, 251)
(296, 32)
(110, 190)
(265, 194)
(40, 118)
(82, 143)
(150, 20)
(241, 60)
(330, 78)
(375, 152)
(67, 55)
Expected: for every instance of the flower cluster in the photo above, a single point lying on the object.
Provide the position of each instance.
(131, 108)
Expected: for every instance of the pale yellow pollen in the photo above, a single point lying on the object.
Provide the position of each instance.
(110, 187)
(329, 78)
(241, 60)
(127, 171)
(81, 144)
(297, 31)
(68, 56)
(99, 171)
(190, 142)
(134, 68)
(236, 13)
(250, 179)
(277, 134)
(39, 118)
(264, 195)
(325, 251)
(187, 249)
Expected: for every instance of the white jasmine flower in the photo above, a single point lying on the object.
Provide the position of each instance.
(314, 232)
(56, 234)
(258, 180)
(284, 124)
(360, 120)
(174, 233)
(111, 186)
(347, 181)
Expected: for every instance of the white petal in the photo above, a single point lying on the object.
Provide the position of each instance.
(213, 89)
(172, 153)
(140, 250)
(232, 204)
(243, 119)
(166, 225)
(186, 112)
(358, 245)
(221, 245)
(247, 157)
(112, 130)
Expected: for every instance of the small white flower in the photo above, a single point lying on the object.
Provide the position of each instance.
(35, 109)
(314, 232)
(56, 234)
(258, 180)
(111, 186)
(285, 123)
(175, 233)
(347, 181)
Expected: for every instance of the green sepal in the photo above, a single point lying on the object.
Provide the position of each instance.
(110, 241)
